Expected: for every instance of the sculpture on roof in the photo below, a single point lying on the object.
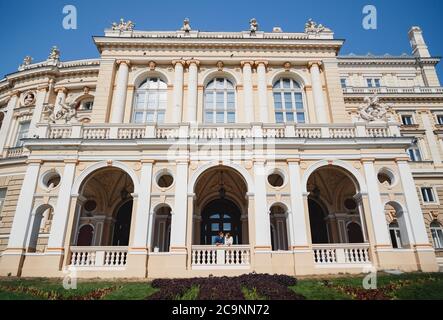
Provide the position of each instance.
(26, 63)
(123, 26)
(253, 25)
(54, 54)
(312, 27)
(373, 110)
(186, 25)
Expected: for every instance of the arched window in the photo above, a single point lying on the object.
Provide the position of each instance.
(219, 101)
(437, 235)
(150, 101)
(85, 104)
(394, 231)
(288, 102)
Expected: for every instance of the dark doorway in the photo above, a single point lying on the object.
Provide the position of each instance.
(85, 236)
(319, 232)
(220, 215)
(122, 225)
(355, 235)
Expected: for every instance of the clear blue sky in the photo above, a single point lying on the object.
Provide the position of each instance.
(31, 27)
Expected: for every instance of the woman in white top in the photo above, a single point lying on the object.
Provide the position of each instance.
(229, 240)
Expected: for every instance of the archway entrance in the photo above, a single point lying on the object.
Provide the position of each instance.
(106, 208)
(334, 213)
(220, 205)
(221, 215)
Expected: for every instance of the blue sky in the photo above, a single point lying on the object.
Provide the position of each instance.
(31, 27)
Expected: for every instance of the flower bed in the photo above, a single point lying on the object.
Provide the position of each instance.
(274, 287)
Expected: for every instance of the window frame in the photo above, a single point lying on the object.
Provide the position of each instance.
(416, 152)
(3, 197)
(295, 89)
(18, 143)
(436, 234)
(146, 110)
(395, 231)
(437, 116)
(213, 108)
(425, 196)
(343, 83)
(407, 116)
(373, 82)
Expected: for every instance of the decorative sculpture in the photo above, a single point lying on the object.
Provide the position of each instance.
(186, 25)
(66, 114)
(220, 65)
(253, 25)
(28, 99)
(123, 26)
(373, 110)
(313, 28)
(55, 53)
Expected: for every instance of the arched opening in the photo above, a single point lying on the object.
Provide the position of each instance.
(85, 236)
(355, 234)
(162, 229)
(150, 101)
(289, 103)
(220, 206)
(40, 228)
(335, 216)
(437, 234)
(279, 228)
(107, 208)
(219, 101)
(397, 225)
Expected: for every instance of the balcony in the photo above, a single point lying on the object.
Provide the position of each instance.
(393, 90)
(336, 255)
(14, 153)
(220, 257)
(234, 131)
(98, 257)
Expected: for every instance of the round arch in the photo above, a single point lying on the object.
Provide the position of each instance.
(239, 169)
(292, 74)
(283, 205)
(349, 170)
(158, 206)
(100, 165)
(398, 207)
(143, 74)
(212, 74)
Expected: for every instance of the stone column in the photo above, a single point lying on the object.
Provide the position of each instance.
(7, 121)
(119, 102)
(142, 214)
(61, 212)
(192, 90)
(262, 223)
(178, 91)
(179, 221)
(20, 225)
(38, 110)
(248, 91)
(317, 91)
(262, 90)
(361, 212)
(382, 238)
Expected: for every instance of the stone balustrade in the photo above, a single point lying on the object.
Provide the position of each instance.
(277, 131)
(98, 257)
(204, 257)
(393, 90)
(16, 152)
(339, 254)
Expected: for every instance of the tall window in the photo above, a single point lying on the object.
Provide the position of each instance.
(428, 195)
(219, 101)
(407, 120)
(440, 119)
(22, 133)
(414, 153)
(2, 198)
(343, 83)
(394, 231)
(373, 83)
(288, 102)
(437, 235)
(150, 101)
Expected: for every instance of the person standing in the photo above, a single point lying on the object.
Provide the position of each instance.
(220, 239)
(229, 240)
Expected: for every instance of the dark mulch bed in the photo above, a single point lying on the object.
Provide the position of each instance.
(273, 287)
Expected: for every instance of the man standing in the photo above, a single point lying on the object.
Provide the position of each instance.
(220, 239)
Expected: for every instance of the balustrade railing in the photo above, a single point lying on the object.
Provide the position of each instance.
(205, 132)
(222, 256)
(98, 256)
(394, 90)
(16, 152)
(330, 254)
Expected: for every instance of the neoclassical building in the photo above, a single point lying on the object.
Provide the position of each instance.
(130, 165)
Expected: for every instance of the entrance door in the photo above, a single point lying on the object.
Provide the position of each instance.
(85, 236)
(220, 215)
(122, 225)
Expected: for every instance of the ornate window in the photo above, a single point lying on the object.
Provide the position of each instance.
(414, 153)
(22, 133)
(288, 102)
(150, 101)
(437, 235)
(219, 101)
(394, 231)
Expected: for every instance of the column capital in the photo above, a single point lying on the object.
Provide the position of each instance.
(316, 62)
(294, 160)
(72, 161)
(368, 159)
(263, 62)
(60, 89)
(175, 62)
(44, 87)
(402, 159)
(147, 161)
(244, 63)
(193, 61)
(15, 93)
(34, 162)
(127, 62)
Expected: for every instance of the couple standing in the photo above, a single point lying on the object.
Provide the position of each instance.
(222, 239)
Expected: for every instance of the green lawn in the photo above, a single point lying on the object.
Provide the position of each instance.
(393, 287)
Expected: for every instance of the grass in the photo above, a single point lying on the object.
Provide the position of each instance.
(412, 286)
